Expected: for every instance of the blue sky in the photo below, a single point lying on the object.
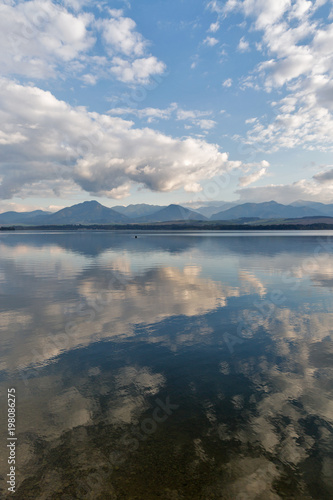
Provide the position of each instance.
(160, 102)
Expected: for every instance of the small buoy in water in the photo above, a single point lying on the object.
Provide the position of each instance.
(136, 236)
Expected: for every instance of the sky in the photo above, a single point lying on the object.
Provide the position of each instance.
(155, 101)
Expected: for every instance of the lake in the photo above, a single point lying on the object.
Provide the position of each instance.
(168, 366)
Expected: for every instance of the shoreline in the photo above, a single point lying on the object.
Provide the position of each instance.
(173, 227)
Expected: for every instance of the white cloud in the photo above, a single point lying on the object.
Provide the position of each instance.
(210, 41)
(120, 35)
(151, 114)
(216, 6)
(36, 36)
(89, 79)
(41, 40)
(116, 12)
(195, 61)
(196, 117)
(266, 13)
(131, 62)
(255, 176)
(137, 71)
(243, 45)
(166, 113)
(63, 149)
(11, 137)
(289, 68)
(214, 27)
(301, 120)
(187, 114)
(250, 120)
(227, 83)
(300, 8)
(206, 124)
(300, 60)
(320, 187)
(193, 187)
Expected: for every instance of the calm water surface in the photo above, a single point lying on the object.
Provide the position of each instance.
(171, 366)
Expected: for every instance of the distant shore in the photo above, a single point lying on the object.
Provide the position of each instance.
(175, 227)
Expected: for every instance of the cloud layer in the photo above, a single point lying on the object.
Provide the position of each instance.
(320, 187)
(201, 119)
(51, 146)
(295, 41)
(299, 46)
(41, 39)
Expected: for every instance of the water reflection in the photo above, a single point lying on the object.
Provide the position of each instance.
(179, 366)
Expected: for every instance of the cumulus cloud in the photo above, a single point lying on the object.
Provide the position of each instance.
(64, 148)
(210, 41)
(131, 61)
(299, 46)
(206, 124)
(89, 79)
(299, 121)
(266, 13)
(41, 39)
(214, 27)
(120, 35)
(287, 69)
(243, 45)
(36, 36)
(137, 71)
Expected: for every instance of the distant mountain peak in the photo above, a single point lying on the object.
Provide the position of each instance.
(170, 213)
(90, 202)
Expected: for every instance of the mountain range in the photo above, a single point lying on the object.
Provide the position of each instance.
(266, 210)
(92, 212)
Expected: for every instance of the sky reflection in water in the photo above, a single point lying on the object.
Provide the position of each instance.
(101, 333)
